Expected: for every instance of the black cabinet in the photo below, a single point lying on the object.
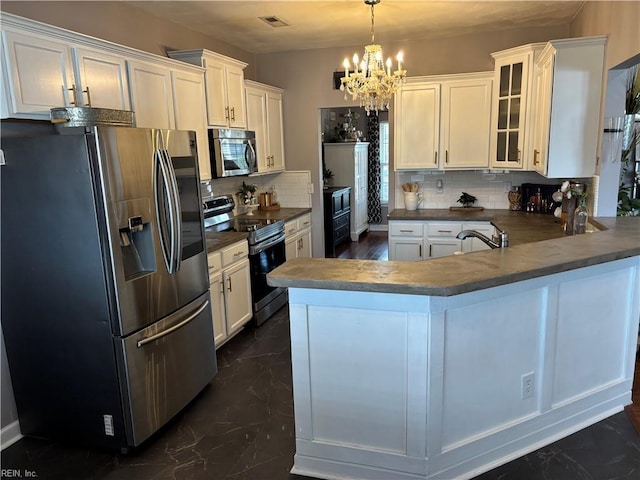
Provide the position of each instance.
(337, 221)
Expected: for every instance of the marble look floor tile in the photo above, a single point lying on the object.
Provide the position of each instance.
(241, 427)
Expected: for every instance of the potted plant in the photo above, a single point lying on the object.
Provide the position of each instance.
(467, 200)
(327, 176)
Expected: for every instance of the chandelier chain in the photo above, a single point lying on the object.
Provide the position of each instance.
(373, 35)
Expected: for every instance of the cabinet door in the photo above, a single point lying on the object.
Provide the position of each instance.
(304, 244)
(465, 123)
(235, 97)
(442, 247)
(257, 121)
(275, 131)
(405, 249)
(189, 106)
(151, 95)
(101, 79)
(417, 126)
(216, 293)
(39, 75)
(215, 81)
(542, 85)
(291, 247)
(509, 118)
(237, 289)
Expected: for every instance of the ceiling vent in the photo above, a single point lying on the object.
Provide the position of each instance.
(274, 21)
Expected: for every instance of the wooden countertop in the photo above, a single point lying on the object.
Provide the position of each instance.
(537, 247)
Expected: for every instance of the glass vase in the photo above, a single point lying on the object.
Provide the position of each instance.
(580, 218)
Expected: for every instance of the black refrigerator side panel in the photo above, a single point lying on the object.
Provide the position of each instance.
(56, 304)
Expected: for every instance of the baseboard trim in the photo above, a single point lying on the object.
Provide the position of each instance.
(378, 227)
(10, 434)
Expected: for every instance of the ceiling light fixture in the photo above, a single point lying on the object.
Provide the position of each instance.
(371, 83)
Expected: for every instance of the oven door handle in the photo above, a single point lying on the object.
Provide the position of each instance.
(262, 246)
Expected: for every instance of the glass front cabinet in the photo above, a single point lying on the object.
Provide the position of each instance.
(512, 113)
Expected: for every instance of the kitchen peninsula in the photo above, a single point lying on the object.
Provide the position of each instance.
(449, 367)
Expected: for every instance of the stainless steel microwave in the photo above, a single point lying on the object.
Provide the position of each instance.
(233, 152)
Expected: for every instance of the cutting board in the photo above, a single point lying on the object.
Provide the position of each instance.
(466, 209)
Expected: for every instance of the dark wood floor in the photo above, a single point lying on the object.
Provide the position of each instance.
(370, 246)
(374, 246)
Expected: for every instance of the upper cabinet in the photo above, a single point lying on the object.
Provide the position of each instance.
(41, 73)
(224, 79)
(568, 80)
(443, 122)
(151, 95)
(264, 116)
(511, 117)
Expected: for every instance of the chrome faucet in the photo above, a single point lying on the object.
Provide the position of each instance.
(499, 241)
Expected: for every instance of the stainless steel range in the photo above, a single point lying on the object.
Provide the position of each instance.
(266, 251)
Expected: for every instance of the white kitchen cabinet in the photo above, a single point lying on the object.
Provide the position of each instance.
(568, 91)
(224, 80)
(417, 125)
(415, 240)
(298, 237)
(441, 239)
(230, 284)
(511, 117)
(38, 75)
(151, 94)
(466, 121)
(406, 241)
(264, 116)
(349, 164)
(101, 79)
(190, 113)
(42, 73)
(443, 122)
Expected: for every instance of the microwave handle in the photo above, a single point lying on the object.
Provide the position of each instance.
(251, 159)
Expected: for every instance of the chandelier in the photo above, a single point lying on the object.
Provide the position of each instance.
(370, 82)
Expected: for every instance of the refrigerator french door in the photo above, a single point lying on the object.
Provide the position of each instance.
(105, 303)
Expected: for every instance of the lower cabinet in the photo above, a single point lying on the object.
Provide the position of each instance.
(297, 242)
(230, 281)
(337, 216)
(422, 240)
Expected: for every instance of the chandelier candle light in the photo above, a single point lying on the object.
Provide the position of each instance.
(371, 83)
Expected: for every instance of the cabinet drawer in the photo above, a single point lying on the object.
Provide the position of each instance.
(291, 228)
(445, 229)
(406, 229)
(215, 263)
(304, 221)
(341, 221)
(235, 252)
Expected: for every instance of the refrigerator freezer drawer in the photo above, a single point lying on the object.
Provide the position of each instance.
(167, 365)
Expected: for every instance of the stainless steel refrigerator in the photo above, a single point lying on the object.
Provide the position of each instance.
(105, 291)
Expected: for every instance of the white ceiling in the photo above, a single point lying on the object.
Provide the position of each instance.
(321, 24)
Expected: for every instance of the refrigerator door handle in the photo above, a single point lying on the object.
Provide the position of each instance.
(177, 222)
(163, 225)
(175, 327)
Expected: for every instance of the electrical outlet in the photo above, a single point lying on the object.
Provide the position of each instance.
(439, 186)
(528, 385)
(309, 187)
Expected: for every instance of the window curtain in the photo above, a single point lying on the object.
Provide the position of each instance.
(373, 200)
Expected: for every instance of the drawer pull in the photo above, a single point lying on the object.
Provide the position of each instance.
(444, 231)
(406, 231)
(237, 254)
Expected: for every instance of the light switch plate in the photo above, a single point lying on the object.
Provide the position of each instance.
(310, 187)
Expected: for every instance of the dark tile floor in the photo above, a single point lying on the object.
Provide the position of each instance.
(241, 427)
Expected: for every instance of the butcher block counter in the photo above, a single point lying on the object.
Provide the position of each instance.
(447, 368)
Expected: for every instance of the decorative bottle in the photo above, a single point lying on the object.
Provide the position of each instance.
(580, 217)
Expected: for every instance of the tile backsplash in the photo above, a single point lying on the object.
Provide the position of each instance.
(292, 188)
(489, 188)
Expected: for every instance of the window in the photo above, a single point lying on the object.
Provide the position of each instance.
(384, 163)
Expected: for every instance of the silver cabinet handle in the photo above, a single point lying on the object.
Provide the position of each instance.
(233, 114)
(88, 96)
(155, 337)
(226, 113)
(75, 98)
(435, 158)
